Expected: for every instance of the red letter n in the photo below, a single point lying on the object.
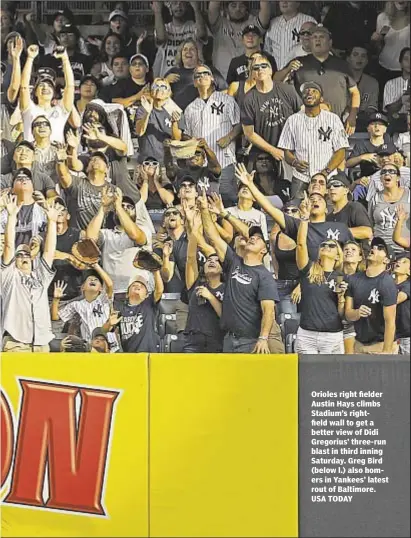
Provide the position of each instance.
(76, 457)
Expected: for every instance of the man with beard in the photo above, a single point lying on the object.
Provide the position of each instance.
(314, 140)
(227, 30)
(266, 109)
(371, 302)
(119, 246)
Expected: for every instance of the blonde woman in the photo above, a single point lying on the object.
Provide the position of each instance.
(391, 36)
(322, 295)
(157, 119)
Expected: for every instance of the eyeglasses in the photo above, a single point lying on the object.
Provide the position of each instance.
(329, 245)
(23, 255)
(257, 67)
(22, 178)
(201, 74)
(41, 124)
(336, 185)
(389, 172)
(159, 87)
(305, 33)
(150, 163)
(321, 71)
(126, 205)
(171, 213)
(291, 210)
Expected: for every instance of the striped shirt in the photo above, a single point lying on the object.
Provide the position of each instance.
(92, 315)
(314, 140)
(31, 222)
(45, 160)
(212, 120)
(283, 35)
(393, 90)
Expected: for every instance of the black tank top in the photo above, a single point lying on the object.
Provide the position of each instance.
(287, 265)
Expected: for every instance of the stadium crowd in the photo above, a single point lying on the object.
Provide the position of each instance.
(226, 181)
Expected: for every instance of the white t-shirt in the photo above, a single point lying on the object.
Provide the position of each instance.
(167, 52)
(57, 116)
(394, 42)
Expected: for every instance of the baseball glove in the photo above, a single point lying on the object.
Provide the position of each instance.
(86, 251)
(148, 260)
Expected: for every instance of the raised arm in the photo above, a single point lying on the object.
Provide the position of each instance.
(14, 87)
(159, 25)
(143, 115)
(133, 231)
(32, 53)
(108, 283)
(200, 22)
(68, 97)
(92, 133)
(63, 172)
(12, 209)
(209, 228)
(50, 243)
(193, 220)
(248, 180)
(264, 15)
(158, 286)
(302, 249)
(213, 12)
(96, 223)
(403, 242)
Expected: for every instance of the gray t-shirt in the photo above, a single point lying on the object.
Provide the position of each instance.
(84, 200)
(384, 218)
(25, 299)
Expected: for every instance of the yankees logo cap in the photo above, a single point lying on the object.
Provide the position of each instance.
(251, 29)
(339, 179)
(378, 117)
(379, 241)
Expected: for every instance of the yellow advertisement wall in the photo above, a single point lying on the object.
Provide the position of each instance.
(125, 497)
(200, 445)
(223, 445)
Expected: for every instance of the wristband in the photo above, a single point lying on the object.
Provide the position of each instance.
(263, 338)
(293, 163)
(305, 219)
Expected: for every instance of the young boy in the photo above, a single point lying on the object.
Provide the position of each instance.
(137, 324)
(94, 309)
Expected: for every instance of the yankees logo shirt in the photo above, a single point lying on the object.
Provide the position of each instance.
(92, 315)
(319, 303)
(384, 217)
(366, 146)
(214, 119)
(158, 130)
(403, 312)
(283, 35)
(374, 292)
(138, 326)
(314, 140)
(203, 177)
(202, 318)
(268, 112)
(317, 233)
(246, 286)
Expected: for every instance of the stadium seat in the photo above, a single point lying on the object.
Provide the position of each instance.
(286, 307)
(173, 343)
(168, 303)
(167, 324)
(290, 334)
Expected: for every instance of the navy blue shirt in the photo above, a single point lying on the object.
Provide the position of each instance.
(403, 312)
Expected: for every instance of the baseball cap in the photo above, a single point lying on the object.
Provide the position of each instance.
(257, 230)
(386, 150)
(321, 29)
(66, 12)
(186, 179)
(70, 29)
(60, 201)
(22, 173)
(11, 35)
(251, 28)
(22, 248)
(100, 154)
(338, 180)
(25, 143)
(292, 203)
(142, 57)
(90, 77)
(311, 84)
(378, 117)
(91, 272)
(138, 278)
(128, 200)
(117, 13)
(377, 241)
(46, 72)
(99, 331)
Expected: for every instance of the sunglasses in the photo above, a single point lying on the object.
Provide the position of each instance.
(159, 87)
(257, 67)
(22, 178)
(41, 124)
(329, 245)
(305, 33)
(201, 74)
(336, 185)
(126, 205)
(23, 255)
(389, 172)
(379, 247)
(151, 163)
(291, 210)
(187, 185)
(170, 213)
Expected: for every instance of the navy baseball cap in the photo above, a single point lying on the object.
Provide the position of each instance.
(339, 179)
(22, 173)
(251, 29)
(379, 241)
(378, 117)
